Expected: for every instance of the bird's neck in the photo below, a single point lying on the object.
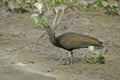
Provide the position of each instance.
(51, 34)
(52, 39)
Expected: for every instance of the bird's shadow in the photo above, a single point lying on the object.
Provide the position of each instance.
(75, 59)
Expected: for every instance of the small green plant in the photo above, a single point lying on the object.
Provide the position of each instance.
(36, 17)
(110, 8)
(51, 4)
(32, 2)
(94, 57)
(83, 4)
(43, 18)
(98, 4)
(20, 5)
(5, 2)
(59, 1)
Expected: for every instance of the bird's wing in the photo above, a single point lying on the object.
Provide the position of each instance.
(71, 41)
(75, 40)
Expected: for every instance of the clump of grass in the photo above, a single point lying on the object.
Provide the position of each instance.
(94, 56)
(36, 17)
(83, 5)
(20, 6)
(110, 8)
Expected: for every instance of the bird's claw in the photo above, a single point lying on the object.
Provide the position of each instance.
(65, 62)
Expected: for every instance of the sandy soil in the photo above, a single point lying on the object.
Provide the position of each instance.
(17, 41)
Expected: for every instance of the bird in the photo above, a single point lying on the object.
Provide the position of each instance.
(70, 41)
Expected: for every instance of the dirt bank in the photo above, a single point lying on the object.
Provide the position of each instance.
(17, 40)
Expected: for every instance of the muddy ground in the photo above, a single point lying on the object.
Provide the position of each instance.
(18, 36)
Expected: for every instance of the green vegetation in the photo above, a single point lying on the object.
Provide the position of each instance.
(39, 16)
(109, 7)
(94, 56)
(20, 6)
(83, 5)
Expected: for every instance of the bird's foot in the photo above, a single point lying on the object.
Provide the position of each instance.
(67, 61)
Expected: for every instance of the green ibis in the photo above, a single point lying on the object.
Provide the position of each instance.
(70, 41)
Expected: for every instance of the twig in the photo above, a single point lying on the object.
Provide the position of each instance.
(60, 17)
(62, 8)
(55, 19)
(56, 11)
(36, 43)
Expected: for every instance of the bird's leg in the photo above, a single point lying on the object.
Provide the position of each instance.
(70, 57)
(68, 60)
